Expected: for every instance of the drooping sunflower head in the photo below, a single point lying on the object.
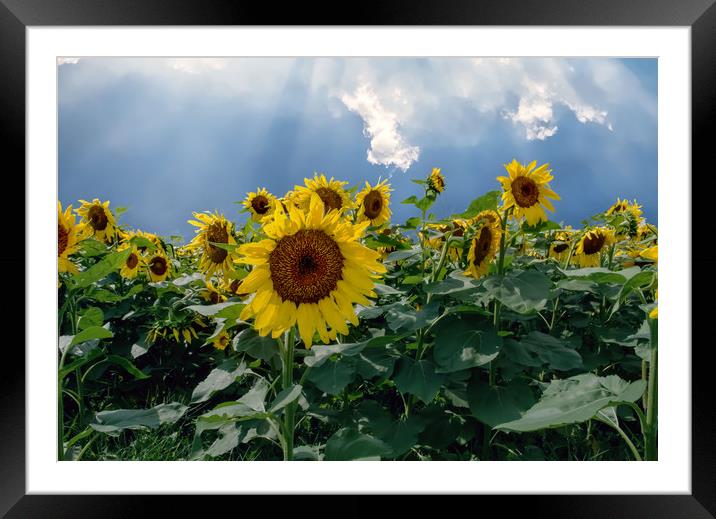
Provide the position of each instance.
(213, 229)
(373, 203)
(260, 204)
(133, 263)
(211, 295)
(485, 244)
(527, 191)
(69, 234)
(561, 244)
(158, 266)
(436, 181)
(97, 216)
(592, 244)
(144, 241)
(308, 271)
(331, 192)
(625, 217)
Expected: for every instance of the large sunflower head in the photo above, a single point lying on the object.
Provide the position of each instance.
(69, 234)
(260, 204)
(591, 245)
(527, 190)
(213, 229)
(133, 263)
(99, 219)
(436, 181)
(158, 266)
(309, 270)
(485, 244)
(331, 192)
(373, 203)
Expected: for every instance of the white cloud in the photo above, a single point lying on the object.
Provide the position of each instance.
(387, 145)
(68, 61)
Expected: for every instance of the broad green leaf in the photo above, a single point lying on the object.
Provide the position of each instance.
(602, 275)
(418, 378)
(285, 397)
(537, 349)
(91, 356)
(212, 310)
(110, 263)
(374, 362)
(456, 283)
(404, 318)
(494, 405)
(220, 378)
(401, 255)
(332, 377)
(348, 444)
(93, 316)
(317, 355)
(258, 347)
(482, 203)
(121, 419)
(575, 400)
(93, 332)
(127, 365)
(527, 292)
(464, 343)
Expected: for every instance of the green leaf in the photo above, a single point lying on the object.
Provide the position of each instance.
(456, 283)
(400, 255)
(464, 343)
(264, 348)
(537, 349)
(317, 355)
(121, 419)
(575, 400)
(494, 405)
(404, 318)
(348, 444)
(91, 356)
(127, 365)
(110, 263)
(602, 275)
(285, 397)
(93, 316)
(93, 332)
(418, 378)
(91, 247)
(332, 377)
(482, 203)
(220, 378)
(640, 280)
(214, 310)
(527, 292)
(374, 362)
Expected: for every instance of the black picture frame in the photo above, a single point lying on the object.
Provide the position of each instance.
(700, 15)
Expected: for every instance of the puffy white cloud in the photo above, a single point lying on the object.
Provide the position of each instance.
(387, 145)
(68, 61)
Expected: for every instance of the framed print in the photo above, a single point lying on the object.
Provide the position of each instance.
(430, 246)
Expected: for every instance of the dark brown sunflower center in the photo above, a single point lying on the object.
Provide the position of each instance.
(560, 247)
(331, 199)
(214, 297)
(158, 266)
(482, 245)
(593, 243)
(525, 191)
(260, 204)
(62, 239)
(217, 234)
(458, 232)
(97, 217)
(305, 266)
(373, 204)
(132, 261)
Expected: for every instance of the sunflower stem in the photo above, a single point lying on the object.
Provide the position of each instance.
(287, 382)
(652, 395)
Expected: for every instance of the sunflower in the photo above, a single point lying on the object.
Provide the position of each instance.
(221, 341)
(133, 263)
(213, 228)
(211, 294)
(233, 287)
(332, 194)
(68, 236)
(652, 253)
(373, 203)
(97, 216)
(158, 266)
(139, 238)
(456, 227)
(309, 271)
(624, 206)
(485, 244)
(436, 181)
(592, 244)
(527, 190)
(260, 204)
(560, 246)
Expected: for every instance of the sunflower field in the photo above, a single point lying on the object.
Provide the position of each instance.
(319, 329)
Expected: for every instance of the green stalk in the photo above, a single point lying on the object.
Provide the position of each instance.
(624, 436)
(652, 395)
(287, 381)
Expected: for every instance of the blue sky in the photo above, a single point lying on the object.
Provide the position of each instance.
(165, 137)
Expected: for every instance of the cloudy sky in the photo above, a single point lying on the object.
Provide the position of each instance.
(164, 137)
